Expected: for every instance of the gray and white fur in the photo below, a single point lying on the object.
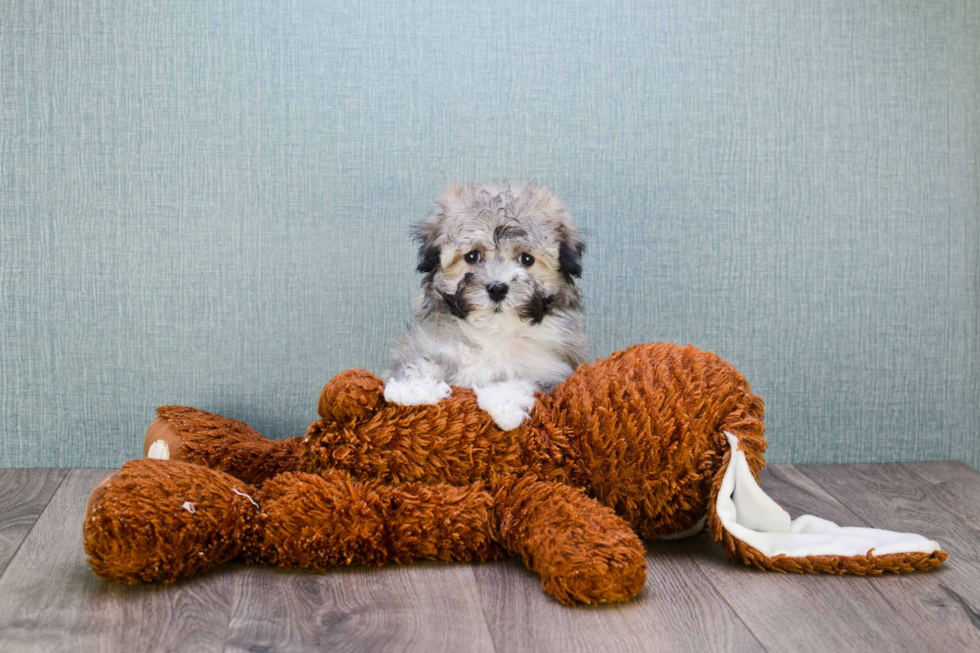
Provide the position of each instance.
(498, 311)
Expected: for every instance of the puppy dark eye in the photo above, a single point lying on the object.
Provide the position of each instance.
(527, 260)
(472, 257)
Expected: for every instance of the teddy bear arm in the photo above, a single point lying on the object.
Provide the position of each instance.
(582, 550)
(329, 519)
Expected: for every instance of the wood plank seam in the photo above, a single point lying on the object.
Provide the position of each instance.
(936, 503)
(970, 612)
(13, 557)
(800, 583)
(483, 608)
(911, 467)
(231, 615)
(721, 594)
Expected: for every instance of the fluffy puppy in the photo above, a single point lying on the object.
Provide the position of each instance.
(498, 311)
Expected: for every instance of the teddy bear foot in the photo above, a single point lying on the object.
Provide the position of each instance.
(156, 520)
(184, 434)
(161, 439)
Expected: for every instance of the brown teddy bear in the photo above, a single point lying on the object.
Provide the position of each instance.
(653, 441)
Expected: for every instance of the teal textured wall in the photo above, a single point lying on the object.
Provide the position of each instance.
(208, 203)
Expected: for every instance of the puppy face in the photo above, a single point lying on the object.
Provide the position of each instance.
(499, 251)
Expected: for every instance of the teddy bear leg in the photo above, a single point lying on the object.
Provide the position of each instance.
(158, 520)
(324, 520)
(582, 550)
(195, 436)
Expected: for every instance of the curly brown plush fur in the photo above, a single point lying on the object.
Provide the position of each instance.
(631, 446)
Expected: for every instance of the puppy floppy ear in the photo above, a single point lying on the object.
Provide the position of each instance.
(425, 234)
(570, 250)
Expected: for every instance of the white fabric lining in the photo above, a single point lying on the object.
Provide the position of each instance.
(750, 515)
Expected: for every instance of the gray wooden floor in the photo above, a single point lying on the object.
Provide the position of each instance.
(694, 599)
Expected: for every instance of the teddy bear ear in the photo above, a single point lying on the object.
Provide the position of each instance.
(350, 395)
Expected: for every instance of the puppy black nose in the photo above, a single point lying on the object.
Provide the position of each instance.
(497, 291)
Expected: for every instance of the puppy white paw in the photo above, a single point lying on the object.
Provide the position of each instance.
(508, 402)
(414, 392)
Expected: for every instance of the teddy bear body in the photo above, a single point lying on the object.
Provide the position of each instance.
(631, 446)
(645, 444)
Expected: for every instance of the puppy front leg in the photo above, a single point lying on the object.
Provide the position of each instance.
(417, 383)
(507, 402)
